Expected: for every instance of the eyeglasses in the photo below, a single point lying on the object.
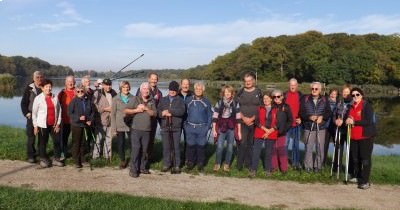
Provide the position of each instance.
(79, 91)
(275, 97)
(314, 89)
(354, 95)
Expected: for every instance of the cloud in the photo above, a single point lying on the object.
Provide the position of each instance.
(67, 18)
(244, 31)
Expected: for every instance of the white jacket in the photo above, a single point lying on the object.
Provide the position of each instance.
(39, 111)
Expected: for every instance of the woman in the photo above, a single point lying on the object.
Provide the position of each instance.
(225, 116)
(283, 121)
(332, 99)
(46, 119)
(197, 124)
(143, 109)
(264, 134)
(119, 127)
(81, 113)
(361, 120)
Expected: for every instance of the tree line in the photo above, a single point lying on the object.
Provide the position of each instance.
(21, 66)
(311, 56)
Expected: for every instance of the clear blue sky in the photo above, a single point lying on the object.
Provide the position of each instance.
(107, 35)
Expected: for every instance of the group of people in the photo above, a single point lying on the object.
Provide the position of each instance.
(254, 119)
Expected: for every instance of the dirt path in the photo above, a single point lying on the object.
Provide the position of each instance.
(266, 193)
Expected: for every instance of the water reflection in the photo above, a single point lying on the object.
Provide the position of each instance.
(387, 111)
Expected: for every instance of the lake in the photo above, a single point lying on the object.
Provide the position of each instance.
(387, 110)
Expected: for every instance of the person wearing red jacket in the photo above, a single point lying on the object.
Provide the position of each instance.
(361, 118)
(272, 123)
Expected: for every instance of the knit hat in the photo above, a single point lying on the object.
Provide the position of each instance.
(174, 86)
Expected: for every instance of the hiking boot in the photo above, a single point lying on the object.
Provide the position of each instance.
(316, 170)
(252, 174)
(175, 170)
(57, 162)
(226, 168)
(144, 171)
(268, 173)
(78, 165)
(189, 165)
(85, 164)
(216, 167)
(200, 168)
(122, 164)
(44, 163)
(133, 174)
(31, 160)
(364, 186)
(165, 169)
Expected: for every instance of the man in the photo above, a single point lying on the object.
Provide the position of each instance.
(86, 84)
(64, 97)
(249, 99)
(155, 93)
(314, 111)
(184, 93)
(292, 99)
(103, 101)
(31, 91)
(171, 110)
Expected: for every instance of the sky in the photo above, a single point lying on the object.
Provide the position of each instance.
(106, 35)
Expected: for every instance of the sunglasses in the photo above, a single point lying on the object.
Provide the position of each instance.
(354, 95)
(275, 97)
(314, 89)
(79, 91)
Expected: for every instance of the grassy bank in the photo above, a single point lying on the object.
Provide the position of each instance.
(20, 198)
(385, 169)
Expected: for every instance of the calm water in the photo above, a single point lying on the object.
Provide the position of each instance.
(387, 110)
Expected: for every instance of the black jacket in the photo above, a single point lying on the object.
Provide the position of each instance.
(367, 120)
(27, 99)
(78, 107)
(177, 108)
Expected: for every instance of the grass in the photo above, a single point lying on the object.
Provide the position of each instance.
(385, 169)
(22, 198)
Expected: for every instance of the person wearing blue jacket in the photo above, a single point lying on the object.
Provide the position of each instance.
(197, 124)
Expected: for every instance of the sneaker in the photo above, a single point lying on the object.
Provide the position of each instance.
(57, 162)
(133, 174)
(144, 171)
(226, 168)
(165, 169)
(252, 174)
(176, 170)
(353, 180)
(31, 160)
(216, 167)
(364, 186)
(44, 163)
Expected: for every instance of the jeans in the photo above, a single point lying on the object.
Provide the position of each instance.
(229, 137)
(196, 141)
(257, 147)
(293, 135)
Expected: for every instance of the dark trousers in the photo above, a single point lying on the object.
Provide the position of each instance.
(78, 146)
(167, 141)
(30, 143)
(121, 144)
(44, 134)
(246, 146)
(361, 152)
(339, 156)
(267, 159)
(65, 131)
(139, 148)
(152, 138)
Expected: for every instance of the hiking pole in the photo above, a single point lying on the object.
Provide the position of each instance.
(334, 149)
(129, 75)
(171, 144)
(347, 153)
(338, 157)
(308, 137)
(127, 65)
